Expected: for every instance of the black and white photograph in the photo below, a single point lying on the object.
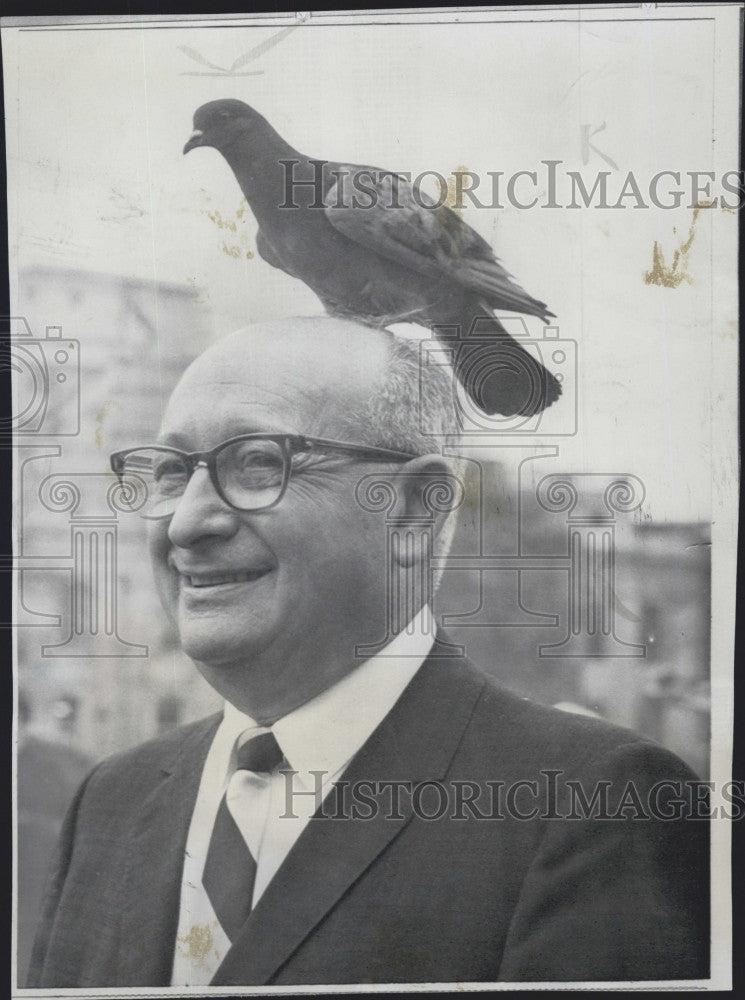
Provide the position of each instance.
(375, 483)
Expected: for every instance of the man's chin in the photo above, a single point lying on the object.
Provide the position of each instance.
(220, 653)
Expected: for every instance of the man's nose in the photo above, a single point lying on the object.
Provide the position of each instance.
(201, 513)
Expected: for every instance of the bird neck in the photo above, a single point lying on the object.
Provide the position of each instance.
(260, 172)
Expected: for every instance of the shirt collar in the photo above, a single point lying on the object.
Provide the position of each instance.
(327, 731)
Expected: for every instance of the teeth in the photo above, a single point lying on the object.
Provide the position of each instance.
(216, 581)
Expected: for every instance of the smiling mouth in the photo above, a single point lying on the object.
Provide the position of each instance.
(222, 579)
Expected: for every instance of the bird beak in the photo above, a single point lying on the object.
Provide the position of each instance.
(195, 139)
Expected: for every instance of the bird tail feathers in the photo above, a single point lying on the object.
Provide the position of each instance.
(502, 375)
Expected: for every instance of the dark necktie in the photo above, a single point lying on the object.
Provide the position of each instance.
(230, 868)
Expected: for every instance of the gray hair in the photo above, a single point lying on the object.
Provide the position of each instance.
(411, 408)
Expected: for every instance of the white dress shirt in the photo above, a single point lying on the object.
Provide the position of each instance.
(322, 735)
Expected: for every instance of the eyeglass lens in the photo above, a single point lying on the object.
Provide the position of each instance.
(250, 475)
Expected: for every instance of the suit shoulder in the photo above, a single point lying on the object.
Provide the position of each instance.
(538, 736)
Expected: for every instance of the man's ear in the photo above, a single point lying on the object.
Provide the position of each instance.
(427, 489)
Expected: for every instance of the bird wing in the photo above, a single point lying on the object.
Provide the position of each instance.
(382, 211)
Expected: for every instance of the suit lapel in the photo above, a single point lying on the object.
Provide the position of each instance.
(415, 742)
(156, 851)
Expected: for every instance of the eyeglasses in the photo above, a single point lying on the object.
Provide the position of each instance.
(249, 472)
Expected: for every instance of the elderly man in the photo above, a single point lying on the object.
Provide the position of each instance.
(300, 838)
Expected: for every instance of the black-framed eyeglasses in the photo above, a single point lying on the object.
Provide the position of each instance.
(249, 472)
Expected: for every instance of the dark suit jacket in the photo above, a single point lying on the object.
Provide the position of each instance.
(386, 900)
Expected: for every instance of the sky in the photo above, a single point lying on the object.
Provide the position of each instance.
(97, 119)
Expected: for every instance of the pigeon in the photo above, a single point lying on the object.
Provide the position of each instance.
(374, 247)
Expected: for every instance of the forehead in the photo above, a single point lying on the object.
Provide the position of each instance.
(273, 380)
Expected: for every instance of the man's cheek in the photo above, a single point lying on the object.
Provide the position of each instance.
(166, 581)
(157, 540)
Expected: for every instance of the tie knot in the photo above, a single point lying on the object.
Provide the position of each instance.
(262, 753)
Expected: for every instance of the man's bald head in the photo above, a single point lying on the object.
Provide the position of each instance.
(345, 347)
(335, 377)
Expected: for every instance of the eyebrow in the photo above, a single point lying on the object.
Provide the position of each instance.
(172, 440)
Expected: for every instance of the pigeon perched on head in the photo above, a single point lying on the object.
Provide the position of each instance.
(373, 247)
